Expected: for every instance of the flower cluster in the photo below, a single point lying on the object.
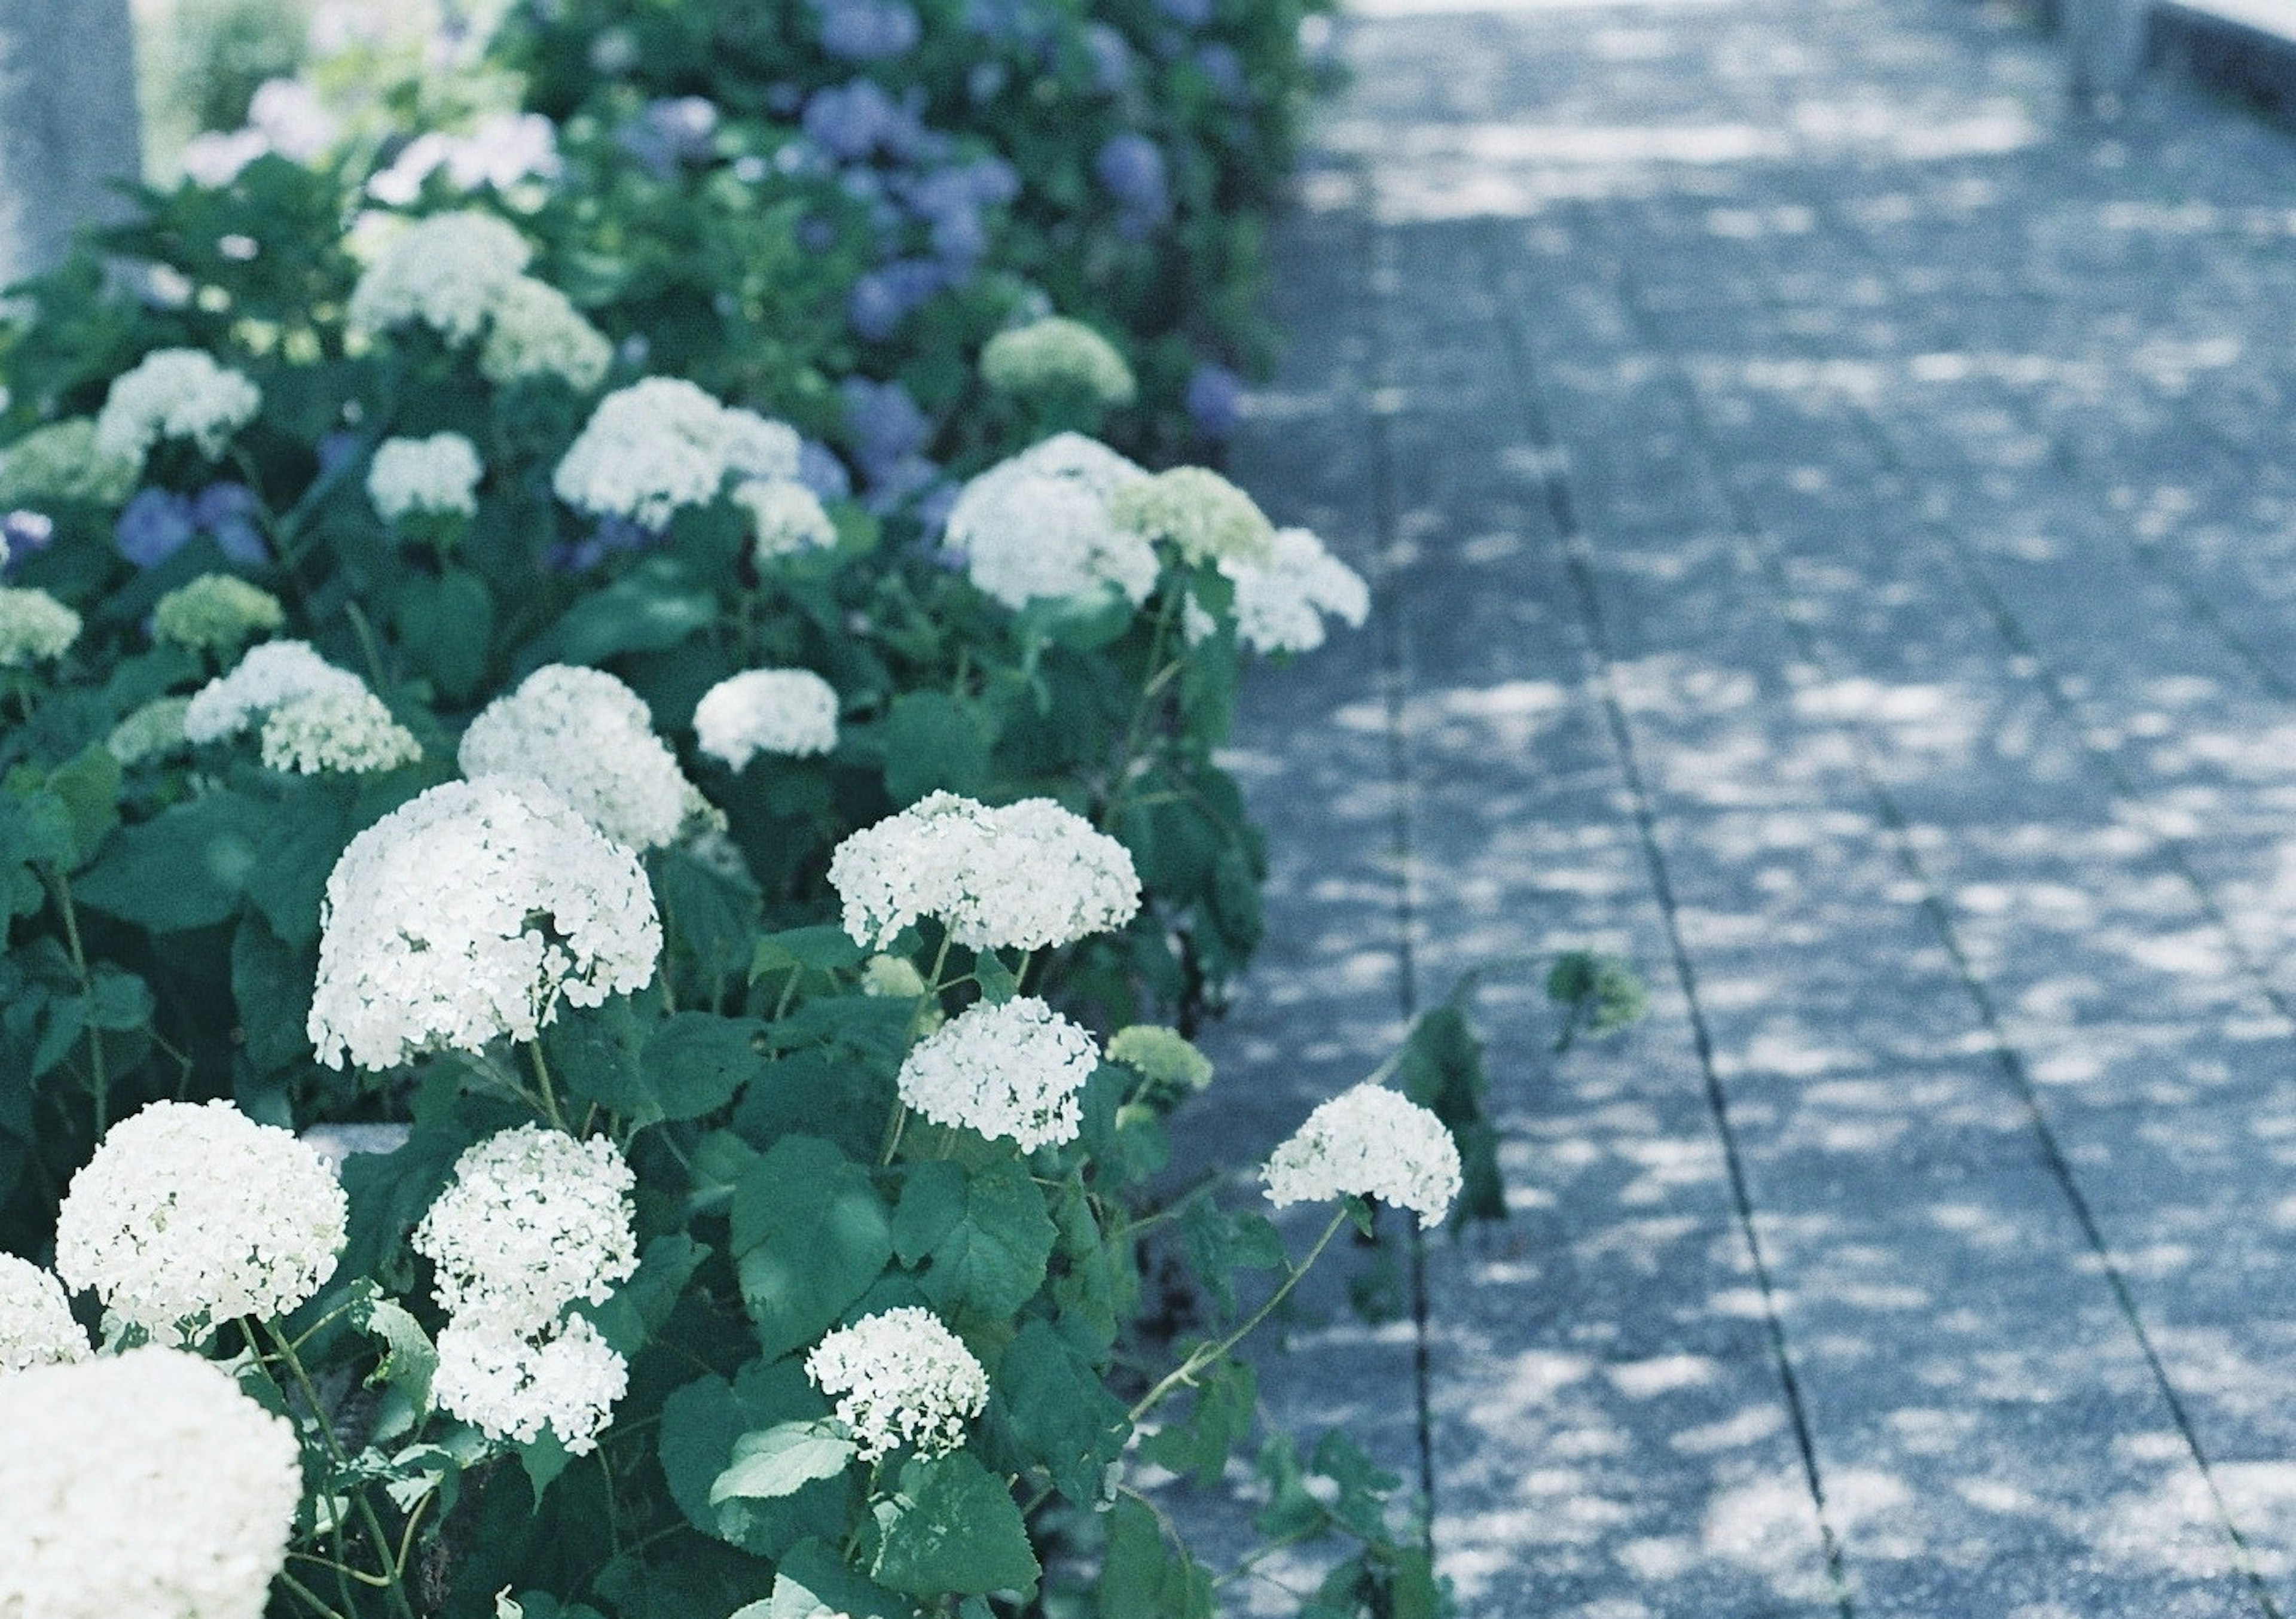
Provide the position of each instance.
(36, 1323)
(901, 1378)
(662, 444)
(349, 731)
(151, 730)
(538, 331)
(216, 612)
(1281, 602)
(65, 461)
(1199, 513)
(190, 1215)
(1009, 1070)
(533, 1221)
(1168, 1065)
(35, 628)
(1039, 527)
(467, 914)
(1024, 877)
(142, 1484)
(1056, 355)
(786, 516)
(1368, 1142)
(590, 739)
(174, 393)
(439, 474)
(766, 711)
(271, 676)
(449, 272)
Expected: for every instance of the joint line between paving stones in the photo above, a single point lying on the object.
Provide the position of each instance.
(1577, 563)
(1761, 547)
(1376, 255)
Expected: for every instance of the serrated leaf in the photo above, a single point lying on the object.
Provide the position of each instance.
(696, 1062)
(1141, 1579)
(811, 1235)
(822, 948)
(1060, 1412)
(780, 1460)
(936, 742)
(953, 1529)
(1220, 1420)
(185, 867)
(982, 1238)
(811, 1581)
(409, 1359)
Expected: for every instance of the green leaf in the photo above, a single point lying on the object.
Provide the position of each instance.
(446, 624)
(1441, 1069)
(696, 1062)
(811, 1235)
(185, 867)
(117, 1000)
(641, 1307)
(1220, 1420)
(811, 1581)
(658, 603)
(780, 1460)
(307, 834)
(936, 742)
(982, 1238)
(595, 1055)
(409, 1359)
(1141, 1579)
(698, 1424)
(1060, 1412)
(823, 948)
(271, 985)
(953, 1528)
(89, 789)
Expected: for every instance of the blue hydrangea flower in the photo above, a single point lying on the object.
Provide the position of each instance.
(1223, 69)
(226, 512)
(885, 424)
(153, 526)
(868, 30)
(1131, 167)
(1215, 400)
(1111, 59)
(612, 535)
(1188, 13)
(820, 470)
(670, 131)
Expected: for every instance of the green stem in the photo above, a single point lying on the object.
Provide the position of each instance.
(395, 1584)
(542, 1078)
(1156, 682)
(60, 885)
(317, 1602)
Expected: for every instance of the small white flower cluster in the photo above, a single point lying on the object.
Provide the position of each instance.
(216, 612)
(662, 444)
(174, 393)
(145, 1483)
(36, 1323)
(503, 150)
(447, 272)
(514, 1387)
(1038, 527)
(1280, 604)
(35, 628)
(190, 1215)
(1009, 1070)
(64, 461)
(439, 474)
(349, 731)
(786, 516)
(1057, 354)
(1368, 1142)
(1025, 876)
(590, 739)
(538, 331)
(271, 676)
(766, 711)
(533, 1221)
(467, 913)
(900, 1377)
(1199, 513)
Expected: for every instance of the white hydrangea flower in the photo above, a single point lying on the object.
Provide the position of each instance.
(271, 676)
(36, 1323)
(590, 739)
(1038, 527)
(1025, 876)
(439, 474)
(190, 1215)
(1280, 604)
(901, 1378)
(1368, 1142)
(35, 628)
(538, 331)
(467, 914)
(1057, 354)
(1009, 1070)
(146, 1485)
(447, 272)
(662, 444)
(534, 1220)
(512, 1388)
(174, 393)
(349, 731)
(1199, 513)
(766, 711)
(787, 517)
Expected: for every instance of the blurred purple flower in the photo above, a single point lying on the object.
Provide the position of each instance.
(227, 512)
(885, 424)
(1188, 13)
(1223, 69)
(881, 298)
(1131, 167)
(1215, 400)
(868, 30)
(669, 132)
(612, 534)
(1111, 59)
(856, 119)
(820, 470)
(337, 447)
(153, 526)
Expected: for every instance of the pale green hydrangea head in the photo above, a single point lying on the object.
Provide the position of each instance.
(150, 732)
(1170, 1067)
(62, 462)
(216, 612)
(347, 731)
(1057, 356)
(1199, 513)
(537, 332)
(35, 628)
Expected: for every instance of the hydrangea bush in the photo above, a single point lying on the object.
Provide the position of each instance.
(746, 826)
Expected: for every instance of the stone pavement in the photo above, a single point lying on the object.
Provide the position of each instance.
(1832, 517)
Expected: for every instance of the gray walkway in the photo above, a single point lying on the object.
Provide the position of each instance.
(1834, 526)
